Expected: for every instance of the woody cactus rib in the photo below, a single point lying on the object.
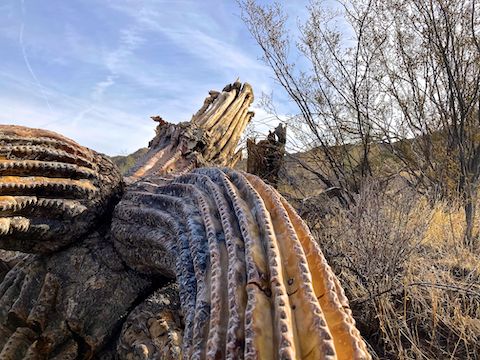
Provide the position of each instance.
(154, 328)
(49, 305)
(211, 137)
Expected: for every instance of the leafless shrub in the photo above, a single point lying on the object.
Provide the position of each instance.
(413, 287)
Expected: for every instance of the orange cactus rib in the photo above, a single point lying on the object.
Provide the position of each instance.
(348, 342)
(52, 190)
(306, 313)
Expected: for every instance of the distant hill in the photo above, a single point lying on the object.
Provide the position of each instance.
(124, 163)
(295, 181)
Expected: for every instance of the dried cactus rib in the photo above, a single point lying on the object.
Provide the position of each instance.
(18, 344)
(190, 266)
(225, 131)
(207, 273)
(217, 109)
(38, 168)
(228, 268)
(300, 310)
(226, 327)
(19, 291)
(153, 330)
(18, 142)
(260, 262)
(196, 319)
(211, 325)
(318, 343)
(52, 190)
(59, 305)
(30, 296)
(201, 236)
(219, 123)
(146, 196)
(144, 237)
(198, 232)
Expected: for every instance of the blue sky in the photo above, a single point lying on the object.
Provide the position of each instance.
(96, 70)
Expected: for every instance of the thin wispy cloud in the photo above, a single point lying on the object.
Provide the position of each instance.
(106, 129)
(182, 29)
(129, 41)
(102, 86)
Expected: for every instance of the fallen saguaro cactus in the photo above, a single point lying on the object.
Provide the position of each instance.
(193, 263)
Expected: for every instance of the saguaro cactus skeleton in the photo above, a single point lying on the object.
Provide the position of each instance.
(203, 263)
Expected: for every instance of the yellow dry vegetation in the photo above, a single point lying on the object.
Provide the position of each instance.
(413, 286)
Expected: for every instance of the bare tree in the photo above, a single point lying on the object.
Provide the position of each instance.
(332, 87)
(430, 66)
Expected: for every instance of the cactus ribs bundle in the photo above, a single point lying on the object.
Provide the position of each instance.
(184, 258)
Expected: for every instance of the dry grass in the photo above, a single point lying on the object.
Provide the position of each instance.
(413, 287)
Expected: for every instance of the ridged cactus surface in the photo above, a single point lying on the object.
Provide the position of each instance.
(253, 283)
(52, 190)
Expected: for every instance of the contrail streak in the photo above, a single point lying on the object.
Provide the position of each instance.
(27, 62)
